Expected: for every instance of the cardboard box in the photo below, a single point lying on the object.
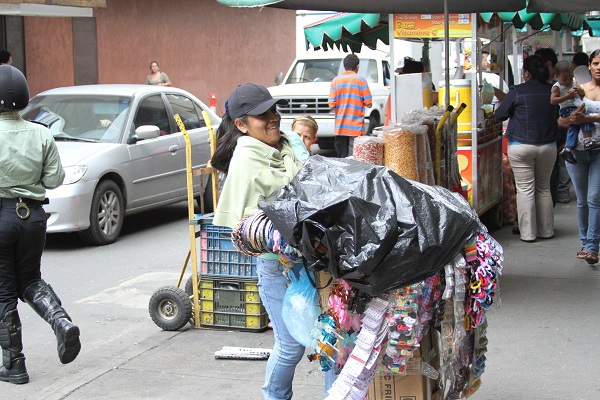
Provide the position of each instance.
(409, 387)
(321, 279)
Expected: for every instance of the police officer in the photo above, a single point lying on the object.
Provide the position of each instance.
(30, 164)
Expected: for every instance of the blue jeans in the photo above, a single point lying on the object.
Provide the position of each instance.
(586, 180)
(286, 353)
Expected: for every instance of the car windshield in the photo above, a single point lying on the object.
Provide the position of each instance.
(92, 118)
(326, 70)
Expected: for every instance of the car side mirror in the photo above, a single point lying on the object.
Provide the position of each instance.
(278, 78)
(145, 132)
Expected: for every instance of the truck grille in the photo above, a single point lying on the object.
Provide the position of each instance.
(306, 105)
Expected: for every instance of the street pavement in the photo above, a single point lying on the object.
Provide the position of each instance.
(543, 342)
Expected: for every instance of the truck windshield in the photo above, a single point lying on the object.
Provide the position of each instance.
(324, 70)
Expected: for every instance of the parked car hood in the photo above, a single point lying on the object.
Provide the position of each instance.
(301, 89)
(75, 153)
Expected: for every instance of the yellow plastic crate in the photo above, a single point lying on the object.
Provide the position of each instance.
(232, 303)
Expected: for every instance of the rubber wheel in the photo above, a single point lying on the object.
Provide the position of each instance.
(170, 308)
(373, 123)
(189, 285)
(106, 215)
(325, 143)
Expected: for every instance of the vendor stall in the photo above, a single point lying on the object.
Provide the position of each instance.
(479, 150)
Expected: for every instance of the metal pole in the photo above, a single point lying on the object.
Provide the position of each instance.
(447, 52)
(393, 116)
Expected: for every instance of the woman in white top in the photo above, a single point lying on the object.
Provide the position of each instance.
(586, 173)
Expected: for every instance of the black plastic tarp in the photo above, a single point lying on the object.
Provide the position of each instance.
(381, 231)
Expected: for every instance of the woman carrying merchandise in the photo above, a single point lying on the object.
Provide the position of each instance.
(586, 173)
(259, 159)
(532, 133)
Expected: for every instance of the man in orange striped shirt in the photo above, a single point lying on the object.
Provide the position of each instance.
(349, 94)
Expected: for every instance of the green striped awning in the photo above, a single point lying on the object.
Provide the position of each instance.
(576, 22)
(594, 25)
(351, 30)
(348, 31)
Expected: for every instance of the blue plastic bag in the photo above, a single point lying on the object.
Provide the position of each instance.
(300, 308)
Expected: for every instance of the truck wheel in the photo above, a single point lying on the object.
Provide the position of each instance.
(170, 308)
(373, 123)
(325, 143)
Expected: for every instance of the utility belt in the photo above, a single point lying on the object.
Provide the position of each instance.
(21, 205)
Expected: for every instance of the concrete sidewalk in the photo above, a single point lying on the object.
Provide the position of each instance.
(543, 342)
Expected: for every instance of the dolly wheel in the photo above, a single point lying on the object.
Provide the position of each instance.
(189, 286)
(170, 308)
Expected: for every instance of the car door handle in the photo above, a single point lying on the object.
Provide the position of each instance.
(173, 148)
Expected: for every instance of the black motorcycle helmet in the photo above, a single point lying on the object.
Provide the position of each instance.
(14, 92)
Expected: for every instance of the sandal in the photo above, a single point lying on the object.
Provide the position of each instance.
(591, 258)
(582, 253)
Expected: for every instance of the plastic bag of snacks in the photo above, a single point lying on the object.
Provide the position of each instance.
(424, 163)
(405, 151)
(368, 149)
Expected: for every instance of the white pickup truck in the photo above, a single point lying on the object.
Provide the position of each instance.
(306, 88)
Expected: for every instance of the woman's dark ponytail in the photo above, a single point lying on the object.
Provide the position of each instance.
(227, 136)
(537, 68)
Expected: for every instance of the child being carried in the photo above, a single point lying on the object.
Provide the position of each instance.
(567, 94)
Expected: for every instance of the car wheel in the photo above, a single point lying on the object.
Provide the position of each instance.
(106, 215)
(170, 308)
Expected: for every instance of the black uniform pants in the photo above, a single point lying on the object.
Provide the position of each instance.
(22, 242)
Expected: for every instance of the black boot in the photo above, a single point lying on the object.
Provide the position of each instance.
(13, 361)
(40, 296)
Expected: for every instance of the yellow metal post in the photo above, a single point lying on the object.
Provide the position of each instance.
(438, 145)
(192, 229)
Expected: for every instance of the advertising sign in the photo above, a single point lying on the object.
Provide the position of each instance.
(431, 26)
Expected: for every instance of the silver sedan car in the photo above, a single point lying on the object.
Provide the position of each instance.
(122, 152)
